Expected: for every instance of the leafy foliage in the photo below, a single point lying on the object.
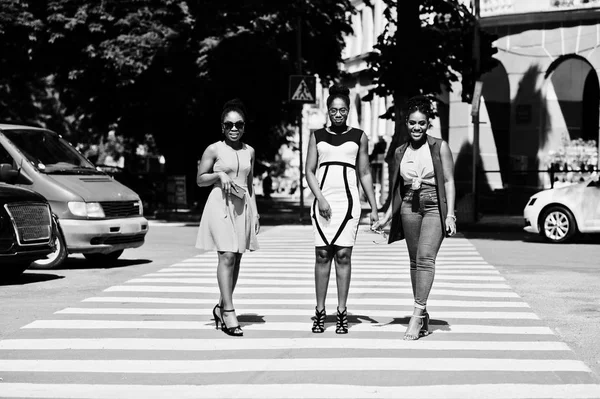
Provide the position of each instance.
(427, 48)
(20, 83)
(162, 67)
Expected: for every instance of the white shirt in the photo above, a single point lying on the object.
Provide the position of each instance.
(416, 166)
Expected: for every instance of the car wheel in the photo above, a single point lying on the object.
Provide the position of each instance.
(558, 224)
(109, 257)
(55, 258)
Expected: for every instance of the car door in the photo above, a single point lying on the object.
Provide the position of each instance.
(591, 206)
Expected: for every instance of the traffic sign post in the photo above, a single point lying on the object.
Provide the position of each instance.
(303, 90)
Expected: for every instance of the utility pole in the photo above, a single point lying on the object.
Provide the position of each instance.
(477, 59)
(300, 106)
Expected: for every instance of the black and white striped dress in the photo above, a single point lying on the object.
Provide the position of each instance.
(338, 180)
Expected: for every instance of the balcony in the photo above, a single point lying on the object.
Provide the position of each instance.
(492, 8)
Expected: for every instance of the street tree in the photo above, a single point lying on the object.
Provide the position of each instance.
(248, 50)
(21, 86)
(426, 46)
(165, 67)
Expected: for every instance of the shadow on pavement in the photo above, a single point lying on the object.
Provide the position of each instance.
(82, 264)
(249, 319)
(30, 277)
(509, 235)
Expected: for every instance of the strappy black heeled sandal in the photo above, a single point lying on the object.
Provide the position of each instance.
(216, 317)
(235, 331)
(319, 321)
(341, 327)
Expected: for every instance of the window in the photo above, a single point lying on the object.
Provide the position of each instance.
(5, 156)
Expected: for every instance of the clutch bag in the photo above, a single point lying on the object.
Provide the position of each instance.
(237, 191)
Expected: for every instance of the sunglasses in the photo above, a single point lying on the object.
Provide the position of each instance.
(342, 111)
(381, 233)
(238, 125)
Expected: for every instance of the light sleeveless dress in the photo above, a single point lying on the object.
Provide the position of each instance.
(227, 222)
(338, 180)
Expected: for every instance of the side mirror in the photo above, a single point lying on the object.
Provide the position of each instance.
(7, 173)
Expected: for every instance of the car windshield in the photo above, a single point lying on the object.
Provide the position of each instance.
(50, 153)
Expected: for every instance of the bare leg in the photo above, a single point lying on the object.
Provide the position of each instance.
(236, 273)
(322, 270)
(342, 271)
(225, 278)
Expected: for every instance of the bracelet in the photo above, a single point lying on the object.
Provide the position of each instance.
(451, 217)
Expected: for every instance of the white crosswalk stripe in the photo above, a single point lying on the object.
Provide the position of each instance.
(153, 336)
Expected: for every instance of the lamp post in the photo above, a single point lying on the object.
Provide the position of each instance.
(300, 107)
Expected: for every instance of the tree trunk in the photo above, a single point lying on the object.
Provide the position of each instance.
(408, 49)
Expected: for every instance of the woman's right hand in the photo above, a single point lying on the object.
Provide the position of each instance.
(225, 182)
(380, 224)
(324, 209)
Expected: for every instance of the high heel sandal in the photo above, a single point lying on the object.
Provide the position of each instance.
(216, 317)
(423, 331)
(425, 328)
(341, 327)
(230, 330)
(319, 321)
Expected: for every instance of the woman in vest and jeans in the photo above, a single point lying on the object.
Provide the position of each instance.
(422, 209)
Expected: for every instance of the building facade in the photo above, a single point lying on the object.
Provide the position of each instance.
(540, 104)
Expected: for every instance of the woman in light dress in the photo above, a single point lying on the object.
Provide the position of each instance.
(230, 221)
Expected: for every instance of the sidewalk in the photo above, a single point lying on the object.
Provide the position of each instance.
(283, 209)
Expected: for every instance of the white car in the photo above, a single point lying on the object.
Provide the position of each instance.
(559, 214)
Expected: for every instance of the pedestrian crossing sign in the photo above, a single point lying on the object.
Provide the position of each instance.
(303, 89)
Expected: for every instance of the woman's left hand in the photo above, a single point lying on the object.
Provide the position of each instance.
(374, 217)
(451, 225)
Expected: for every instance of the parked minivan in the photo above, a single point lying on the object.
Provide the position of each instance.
(97, 216)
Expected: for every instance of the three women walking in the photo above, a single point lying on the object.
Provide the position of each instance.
(421, 211)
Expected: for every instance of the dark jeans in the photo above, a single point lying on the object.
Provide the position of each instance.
(424, 234)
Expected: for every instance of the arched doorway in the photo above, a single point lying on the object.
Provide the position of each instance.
(572, 94)
(590, 113)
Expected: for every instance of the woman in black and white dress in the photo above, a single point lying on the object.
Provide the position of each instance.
(337, 158)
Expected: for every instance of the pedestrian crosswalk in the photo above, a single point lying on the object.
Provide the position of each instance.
(153, 336)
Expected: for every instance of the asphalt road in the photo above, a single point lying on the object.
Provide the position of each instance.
(561, 282)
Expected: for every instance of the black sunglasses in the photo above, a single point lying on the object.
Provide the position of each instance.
(238, 125)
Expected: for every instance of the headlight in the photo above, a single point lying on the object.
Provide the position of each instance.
(140, 206)
(532, 201)
(86, 209)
